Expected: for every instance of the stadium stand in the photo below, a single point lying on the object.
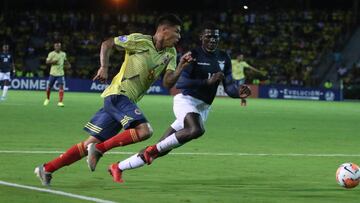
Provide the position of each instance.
(289, 45)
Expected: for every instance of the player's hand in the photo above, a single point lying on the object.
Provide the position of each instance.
(244, 91)
(215, 78)
(186, 59)
(101, 75)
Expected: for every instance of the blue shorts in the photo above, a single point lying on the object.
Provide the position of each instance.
(53, 79)
(118, 112)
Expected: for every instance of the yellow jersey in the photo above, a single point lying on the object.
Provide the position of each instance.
(58, 68)
(142, 66)
(238, 69)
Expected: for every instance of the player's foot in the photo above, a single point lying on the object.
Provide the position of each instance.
(45, 177)
(46, 102)
(60, 104)
(2, 98)
(115, 172)
(150, 154)
(93, 156)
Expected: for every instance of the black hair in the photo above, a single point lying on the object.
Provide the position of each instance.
(209, 25)
(168, 19)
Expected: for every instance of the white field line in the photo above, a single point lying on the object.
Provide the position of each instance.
(198, 153)
(55, 192)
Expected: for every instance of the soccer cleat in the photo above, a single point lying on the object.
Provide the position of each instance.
(60, 104)
(2, 98)
(93, 156)
(115, 172)
(150, 154)
(46, 102)
(45, 177)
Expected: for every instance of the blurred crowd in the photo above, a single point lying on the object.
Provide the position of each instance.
(286, 44)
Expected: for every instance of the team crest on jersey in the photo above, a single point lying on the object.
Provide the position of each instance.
(137, 112)
(122, 38)
(166, 60)
(221, 65)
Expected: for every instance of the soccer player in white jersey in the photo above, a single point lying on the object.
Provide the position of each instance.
(6, 66)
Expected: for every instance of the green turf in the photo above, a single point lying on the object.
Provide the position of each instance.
(274, 128)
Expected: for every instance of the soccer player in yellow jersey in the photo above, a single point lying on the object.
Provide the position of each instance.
(57, 59)
(238, 66)
(146, 57)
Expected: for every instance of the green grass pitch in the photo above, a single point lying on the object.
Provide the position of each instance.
(270, 151)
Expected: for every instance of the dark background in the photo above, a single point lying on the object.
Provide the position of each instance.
(173, 5)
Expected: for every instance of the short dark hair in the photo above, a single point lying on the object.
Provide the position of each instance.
(168, 19)
(209, 25)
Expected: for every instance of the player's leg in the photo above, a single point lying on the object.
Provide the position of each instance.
(133, 121)
(50, 83)
(61, 82)
(101, 127)
(190, 114)
(193, 128)
(6, 85)
(73, 154)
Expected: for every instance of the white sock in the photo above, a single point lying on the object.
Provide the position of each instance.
(168, 143)
(5, 91)
(132, 162)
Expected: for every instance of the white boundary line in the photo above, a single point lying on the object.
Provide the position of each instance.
(197, 154)
(55, 192)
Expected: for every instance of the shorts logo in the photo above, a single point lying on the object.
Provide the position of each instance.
(125, 120)
(137, 112)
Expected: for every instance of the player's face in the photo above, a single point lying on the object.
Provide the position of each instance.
(171, 35)
(240, 57)
(210, 39)
(57, 46)
(5, 48)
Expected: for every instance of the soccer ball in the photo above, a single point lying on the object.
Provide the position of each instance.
(348, 175)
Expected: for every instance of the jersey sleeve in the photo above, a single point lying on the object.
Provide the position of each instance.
(245, 64)
(186, 81)
(50, 55)
(130, 42)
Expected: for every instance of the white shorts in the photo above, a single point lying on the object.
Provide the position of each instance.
(184, 104)
(4, 76)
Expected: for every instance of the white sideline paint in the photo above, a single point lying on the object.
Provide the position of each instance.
(55, 192)
(198, 154)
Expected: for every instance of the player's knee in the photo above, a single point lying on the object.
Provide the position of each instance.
(144, 131)
(196, 132)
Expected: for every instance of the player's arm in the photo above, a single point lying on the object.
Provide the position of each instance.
(256, 70)
(66, 62)
(172, 76)
(105, 52)
(50, 59)
(13, 65)
(230, 86)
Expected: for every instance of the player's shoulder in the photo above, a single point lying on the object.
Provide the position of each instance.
(195, 52)
(171, 50)
(139, 37)
(51, 53)
(223, 53)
